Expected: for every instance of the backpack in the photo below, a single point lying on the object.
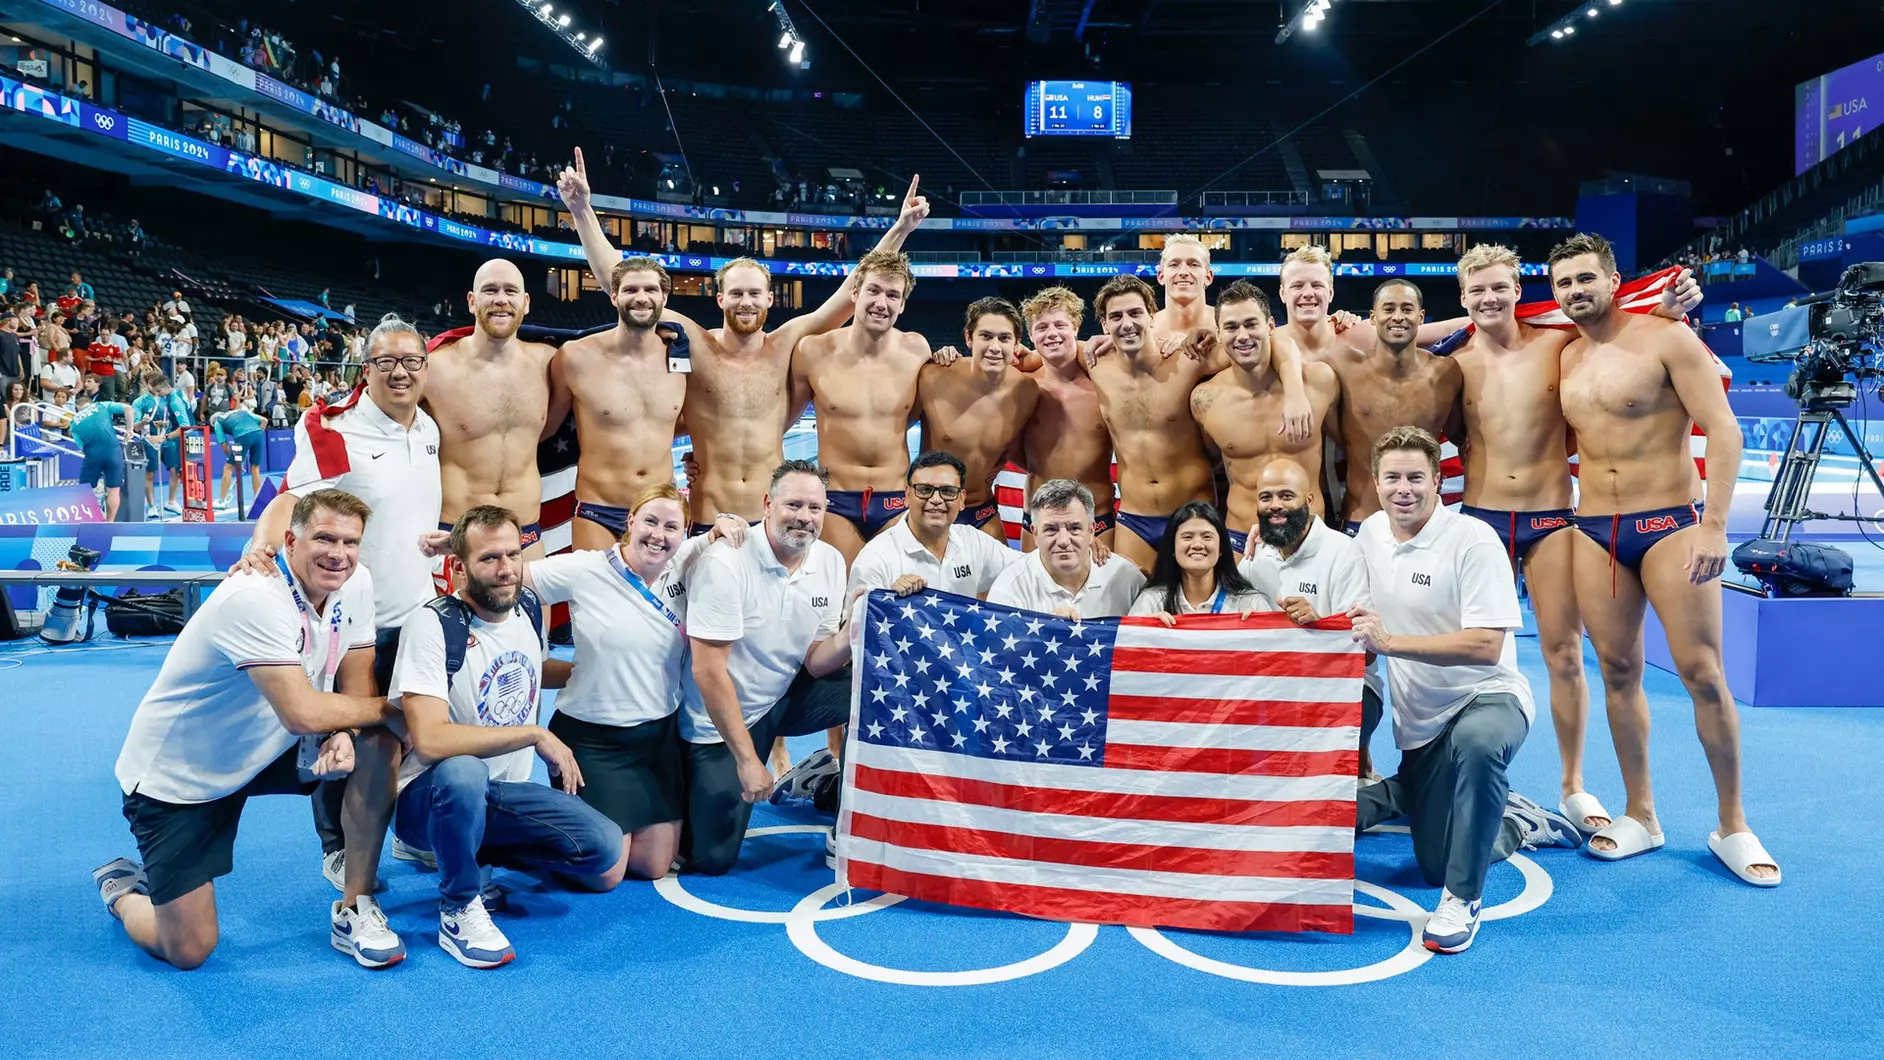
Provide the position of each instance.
(1796, 568)
(454, 617)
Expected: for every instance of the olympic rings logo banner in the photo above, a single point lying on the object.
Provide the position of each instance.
(802, 920)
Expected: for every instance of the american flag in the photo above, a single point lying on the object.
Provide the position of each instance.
(1113, 771)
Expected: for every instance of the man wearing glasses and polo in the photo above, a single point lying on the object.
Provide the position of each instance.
(928, 549)
(379, 445)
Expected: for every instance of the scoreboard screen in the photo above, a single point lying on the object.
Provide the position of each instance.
(1079, 108)
(1832, 112)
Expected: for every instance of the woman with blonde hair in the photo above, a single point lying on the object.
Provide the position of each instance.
(628, 606)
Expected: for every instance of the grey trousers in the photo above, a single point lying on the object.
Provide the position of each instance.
(717, 816)
(1452, 792)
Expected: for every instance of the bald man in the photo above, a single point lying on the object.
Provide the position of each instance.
(489, 393)
(1310, 570)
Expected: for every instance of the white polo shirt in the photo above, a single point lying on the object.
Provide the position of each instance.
(1150, 601)
(204, 729)
(394, 470)
(500, 683)
(1326, 570)
(772, 617)
(1108, 592)
(631, 659)
(968, 567)
(1453, 575)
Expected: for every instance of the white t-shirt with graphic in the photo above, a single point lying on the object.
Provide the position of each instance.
(501, 682)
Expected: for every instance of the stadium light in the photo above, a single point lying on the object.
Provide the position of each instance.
(559, 25)
(1583, 13)
(788, 37)
(1310, 16)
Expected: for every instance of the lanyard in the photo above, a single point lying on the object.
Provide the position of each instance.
(634, 582)
(307, 625)
(1216, 606)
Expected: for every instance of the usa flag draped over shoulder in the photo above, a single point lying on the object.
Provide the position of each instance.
(1640, 295)
(1113, 771)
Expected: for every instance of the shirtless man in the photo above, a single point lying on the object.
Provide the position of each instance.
(1517, 478)
(1065, 437)
(861, 380)
(627, 404)
(489, 393)
(1184, 273)
(975, 407)
(1386, 383)
(1144, 398)
(736, 403)
(1240, 408)
(1633, 386)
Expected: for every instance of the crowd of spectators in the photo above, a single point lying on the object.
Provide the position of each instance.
(58, 354)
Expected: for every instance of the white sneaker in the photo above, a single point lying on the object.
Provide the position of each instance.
(361, 932)
(472, 940)
(1453, 925)
(416, 855)
(334, 867)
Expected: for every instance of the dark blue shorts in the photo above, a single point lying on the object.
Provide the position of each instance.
(868, 510)
(1149, 528)
(253, 447)
(613, 519)
(978, 515)
(1520, 531)
(106, 462)
(1628, 536)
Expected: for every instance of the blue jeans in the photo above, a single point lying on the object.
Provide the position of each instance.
(460, 814)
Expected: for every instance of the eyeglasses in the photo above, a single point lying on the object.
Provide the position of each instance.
(926, 491)
(387, 364)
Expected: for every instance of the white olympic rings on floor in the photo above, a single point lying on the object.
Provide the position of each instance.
(801, 927)
(669, 887)
(1399, 907)
(802, 919)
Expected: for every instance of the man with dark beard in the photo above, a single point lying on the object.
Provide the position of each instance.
(489, 393)
(627, 404)
(737, 408)
(1310, 570)
(465, 791)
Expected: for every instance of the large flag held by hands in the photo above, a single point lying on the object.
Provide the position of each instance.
(1113, 771)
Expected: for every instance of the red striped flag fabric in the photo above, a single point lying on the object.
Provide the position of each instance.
(1114, 771)
(1640, 295)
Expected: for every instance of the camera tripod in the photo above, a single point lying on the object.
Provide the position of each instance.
(1786, 503)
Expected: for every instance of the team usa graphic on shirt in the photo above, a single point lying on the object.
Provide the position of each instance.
(507, 690)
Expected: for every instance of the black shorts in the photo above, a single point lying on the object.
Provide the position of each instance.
(185, 846)
(631, 773)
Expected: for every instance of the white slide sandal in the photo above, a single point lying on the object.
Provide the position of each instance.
(1740, 852)
(1582, 806)
(1630, 836)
